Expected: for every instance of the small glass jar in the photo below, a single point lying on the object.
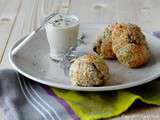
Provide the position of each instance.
(62, 32)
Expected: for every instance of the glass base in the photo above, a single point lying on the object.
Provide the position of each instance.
(56, 57)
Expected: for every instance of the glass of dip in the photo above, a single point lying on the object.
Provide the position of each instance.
(62, 32)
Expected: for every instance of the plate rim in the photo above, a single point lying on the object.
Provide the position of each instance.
(78, 88)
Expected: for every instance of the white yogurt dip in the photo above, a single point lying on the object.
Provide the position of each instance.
(62, 31)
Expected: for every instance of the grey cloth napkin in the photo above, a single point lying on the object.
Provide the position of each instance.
(23, 99)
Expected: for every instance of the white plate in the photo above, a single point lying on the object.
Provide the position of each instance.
(33, 61)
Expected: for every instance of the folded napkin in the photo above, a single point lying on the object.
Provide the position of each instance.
(23, 99)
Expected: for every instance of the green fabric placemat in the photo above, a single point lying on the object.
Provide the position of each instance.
(98, 105)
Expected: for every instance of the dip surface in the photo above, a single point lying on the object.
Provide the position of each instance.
(61, 20)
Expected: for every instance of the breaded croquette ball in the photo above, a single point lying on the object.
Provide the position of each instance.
(129, 45)
(103, 46)
(89, 70)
